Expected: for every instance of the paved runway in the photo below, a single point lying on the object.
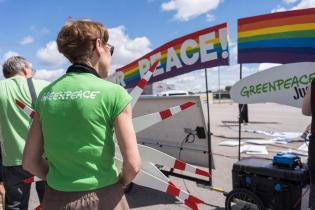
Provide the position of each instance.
(224, 118)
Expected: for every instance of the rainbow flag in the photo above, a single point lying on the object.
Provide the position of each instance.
(202, 49)
(283, 37)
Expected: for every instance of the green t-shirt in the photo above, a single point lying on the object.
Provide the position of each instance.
(14, 122)
(77, 113)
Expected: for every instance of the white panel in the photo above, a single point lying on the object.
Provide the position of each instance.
(155, 156)
(153, 170)
(145, 179)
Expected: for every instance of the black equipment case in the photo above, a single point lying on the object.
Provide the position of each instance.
(278, 188)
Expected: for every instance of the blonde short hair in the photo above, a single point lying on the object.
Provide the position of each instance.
(76, 39)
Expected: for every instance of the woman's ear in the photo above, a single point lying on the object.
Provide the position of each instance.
(98, 46)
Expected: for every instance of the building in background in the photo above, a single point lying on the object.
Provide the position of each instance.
(159, 87)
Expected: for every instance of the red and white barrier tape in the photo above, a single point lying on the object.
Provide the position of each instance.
(142, 122)
(39, 207)
(155, 156)
(137, 91)
(26, 108)
(189, 200)
(31, 180)
(146, 179)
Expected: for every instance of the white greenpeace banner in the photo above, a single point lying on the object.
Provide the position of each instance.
(285, 84)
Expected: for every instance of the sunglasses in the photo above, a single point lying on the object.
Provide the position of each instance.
(110, 48)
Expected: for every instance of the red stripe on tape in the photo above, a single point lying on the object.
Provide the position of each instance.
(193, 199)
(142, 84)
(202, 172)
(180, 165)
(165, 114)
(38, 207)
(187, 105)
(20, 103)
(172, 190)
(192, 206)
(32, 114)
(192, 202)
(28, 180)
(153, 67)
(171, 183)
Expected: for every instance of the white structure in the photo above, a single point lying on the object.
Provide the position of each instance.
(159, 87)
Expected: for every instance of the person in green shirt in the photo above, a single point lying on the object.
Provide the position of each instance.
(77, 118)
(14, 126)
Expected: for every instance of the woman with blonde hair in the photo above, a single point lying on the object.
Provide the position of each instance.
(74, 127)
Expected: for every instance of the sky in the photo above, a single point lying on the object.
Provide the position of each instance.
(136, 27)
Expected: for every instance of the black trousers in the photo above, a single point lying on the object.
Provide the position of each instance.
(17, 192)
(311, 166)
(243, 110)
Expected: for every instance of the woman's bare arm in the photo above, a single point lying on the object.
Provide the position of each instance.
(127, 141)
(33, 160)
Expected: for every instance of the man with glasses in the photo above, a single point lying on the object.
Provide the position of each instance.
(14, 126)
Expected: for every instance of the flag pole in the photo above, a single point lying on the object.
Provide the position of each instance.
(219, 79)
(208, 129)
(239, 121)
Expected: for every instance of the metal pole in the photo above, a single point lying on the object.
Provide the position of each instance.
(219, 85)
(239, 123)
(208, 133)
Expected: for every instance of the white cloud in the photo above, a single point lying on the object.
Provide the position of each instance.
(289, 1)
(195, 81)
(302, 4)
(233, 52)
(49, 75)
(264, 66)
(27, 40)
(189, 9)
(50, 56)
(8, 55)
(279, 9)
(210, 18)
(126, 48)
(248, 70)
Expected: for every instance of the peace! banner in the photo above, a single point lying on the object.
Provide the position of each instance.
(202, 49)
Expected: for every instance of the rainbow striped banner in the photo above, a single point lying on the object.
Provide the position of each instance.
(283, 37)
(202, 49)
